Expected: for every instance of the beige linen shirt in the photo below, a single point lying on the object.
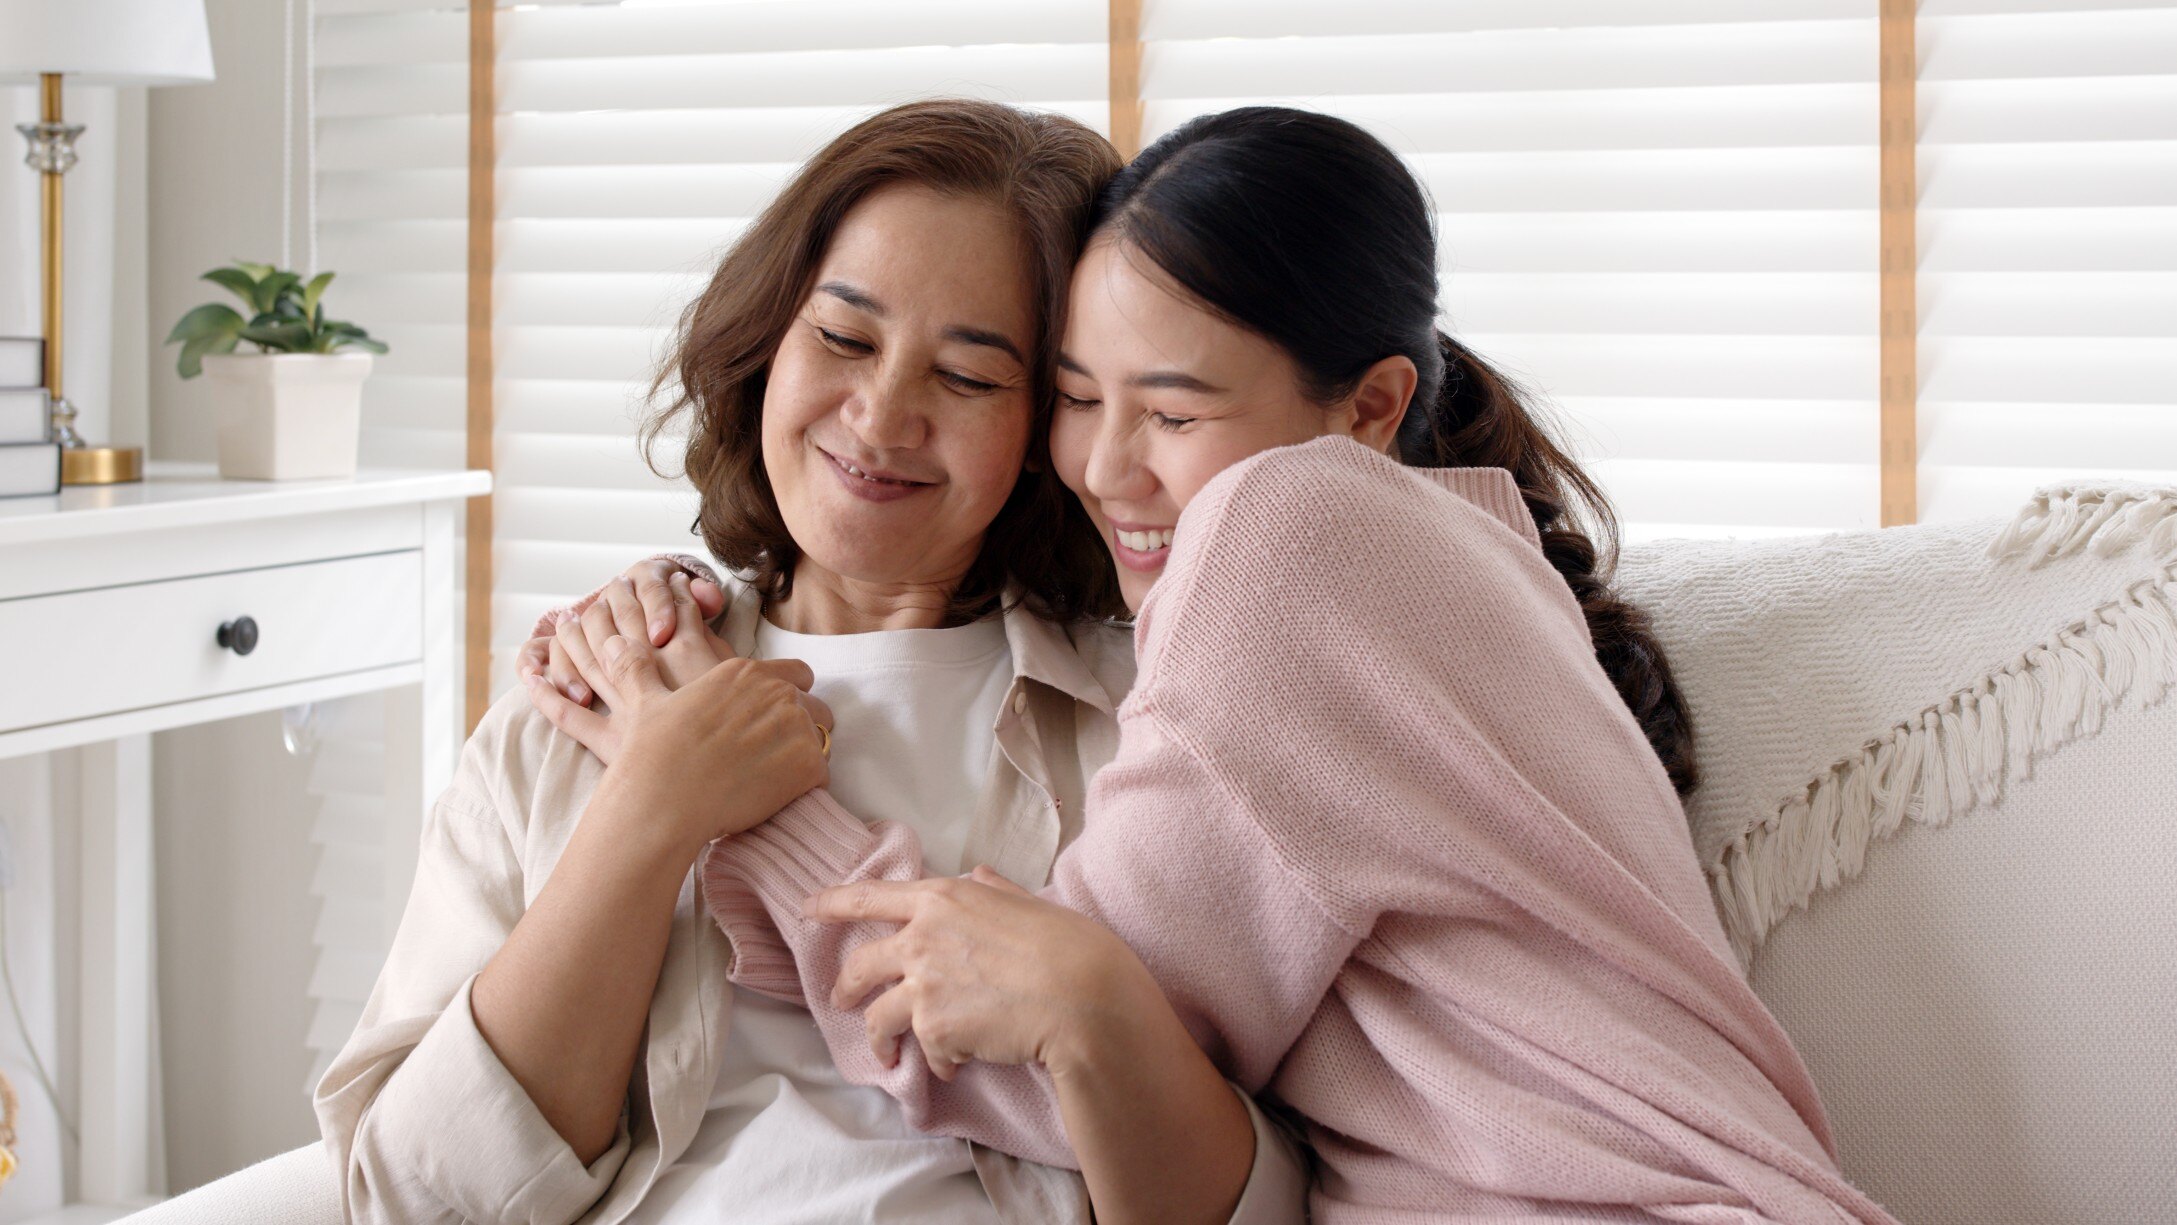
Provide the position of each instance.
(423, 1122)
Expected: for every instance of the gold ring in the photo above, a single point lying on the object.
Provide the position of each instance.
(823, 734)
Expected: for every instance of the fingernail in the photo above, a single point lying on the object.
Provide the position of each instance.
(659, 627)
(578, 692)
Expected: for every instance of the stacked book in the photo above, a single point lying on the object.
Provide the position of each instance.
(29, 459)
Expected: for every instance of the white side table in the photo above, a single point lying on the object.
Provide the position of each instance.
(131, 609)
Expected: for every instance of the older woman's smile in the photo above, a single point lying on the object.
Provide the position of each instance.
(872, 483)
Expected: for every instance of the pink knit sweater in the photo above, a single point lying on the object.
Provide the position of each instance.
(1399, 855)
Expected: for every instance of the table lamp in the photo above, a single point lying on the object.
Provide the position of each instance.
(97, 42)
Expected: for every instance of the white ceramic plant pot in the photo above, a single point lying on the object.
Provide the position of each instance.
(288, 416)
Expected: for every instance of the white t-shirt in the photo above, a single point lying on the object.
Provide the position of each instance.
(785, 1139)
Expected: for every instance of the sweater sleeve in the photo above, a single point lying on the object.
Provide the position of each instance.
(549, 621)
(1243, 955)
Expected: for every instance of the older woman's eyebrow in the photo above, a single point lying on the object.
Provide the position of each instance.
(854, 296)
(859, 298)
(983, 336)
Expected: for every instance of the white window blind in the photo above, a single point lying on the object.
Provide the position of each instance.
(391, 218)
(1660, 215)
(2048, 248)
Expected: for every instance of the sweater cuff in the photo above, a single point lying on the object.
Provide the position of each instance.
(459, 1119)
(756, 880)
(548, 623)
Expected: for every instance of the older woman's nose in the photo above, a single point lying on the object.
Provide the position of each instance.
(888, 416)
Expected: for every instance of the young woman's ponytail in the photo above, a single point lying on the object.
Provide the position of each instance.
(1480, 419)
(1310, 232)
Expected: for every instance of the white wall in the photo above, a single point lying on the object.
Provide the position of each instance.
(173, 181)
(104, 356)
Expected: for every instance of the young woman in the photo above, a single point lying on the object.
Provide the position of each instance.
(1392, 823)
(554, 1036)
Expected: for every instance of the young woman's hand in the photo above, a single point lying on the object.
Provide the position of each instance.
(690, 650)
(652, 579)
(983, 969)
(714, 757)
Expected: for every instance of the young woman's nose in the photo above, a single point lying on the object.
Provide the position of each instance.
(1117, 469)
(888, 414)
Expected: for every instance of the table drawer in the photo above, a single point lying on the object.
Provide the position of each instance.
(102, 651)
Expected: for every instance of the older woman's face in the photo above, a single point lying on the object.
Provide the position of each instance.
(896, 414)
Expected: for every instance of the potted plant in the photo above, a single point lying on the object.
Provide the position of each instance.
(293, 408)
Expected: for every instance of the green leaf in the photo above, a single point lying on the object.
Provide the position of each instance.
(313, 291)
(210, 318)
(348, 336)
(240, 284)
(273, 288)
(257, 272)
(291, 337)
(193, 353)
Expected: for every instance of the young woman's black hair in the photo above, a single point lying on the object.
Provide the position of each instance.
(1308, 231)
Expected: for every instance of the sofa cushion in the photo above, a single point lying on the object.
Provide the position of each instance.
(1947, 746)
(1843, 685)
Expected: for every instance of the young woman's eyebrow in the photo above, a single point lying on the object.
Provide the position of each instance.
(1173, 379)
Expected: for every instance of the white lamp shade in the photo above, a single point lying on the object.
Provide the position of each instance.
(105, 42)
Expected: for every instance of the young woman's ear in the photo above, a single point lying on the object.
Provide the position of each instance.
(1380, 402)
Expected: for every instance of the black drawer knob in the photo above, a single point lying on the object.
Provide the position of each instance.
(239, 635)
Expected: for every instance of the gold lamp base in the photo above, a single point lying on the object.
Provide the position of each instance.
(101, 465)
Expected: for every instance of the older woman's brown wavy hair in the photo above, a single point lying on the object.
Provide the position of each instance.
(1044, 170)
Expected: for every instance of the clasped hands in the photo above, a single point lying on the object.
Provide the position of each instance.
(979, 968)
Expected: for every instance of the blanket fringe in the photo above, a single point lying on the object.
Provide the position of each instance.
(2063, 519)
(1957, 754)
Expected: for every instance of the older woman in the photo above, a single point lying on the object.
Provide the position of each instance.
(554, 1036)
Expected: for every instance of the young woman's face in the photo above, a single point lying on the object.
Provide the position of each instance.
(1156, 396)
(896, 413)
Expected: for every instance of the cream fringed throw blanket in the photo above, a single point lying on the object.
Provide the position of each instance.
(2067, 615)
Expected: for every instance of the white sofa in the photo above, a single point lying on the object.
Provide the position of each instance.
(1943, 744)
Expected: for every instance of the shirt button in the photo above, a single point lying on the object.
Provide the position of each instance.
(1020, 700)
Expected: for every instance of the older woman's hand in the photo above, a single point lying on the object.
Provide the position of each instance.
(690, 651)
(653, 590)
(983, 969)
(715, 757)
